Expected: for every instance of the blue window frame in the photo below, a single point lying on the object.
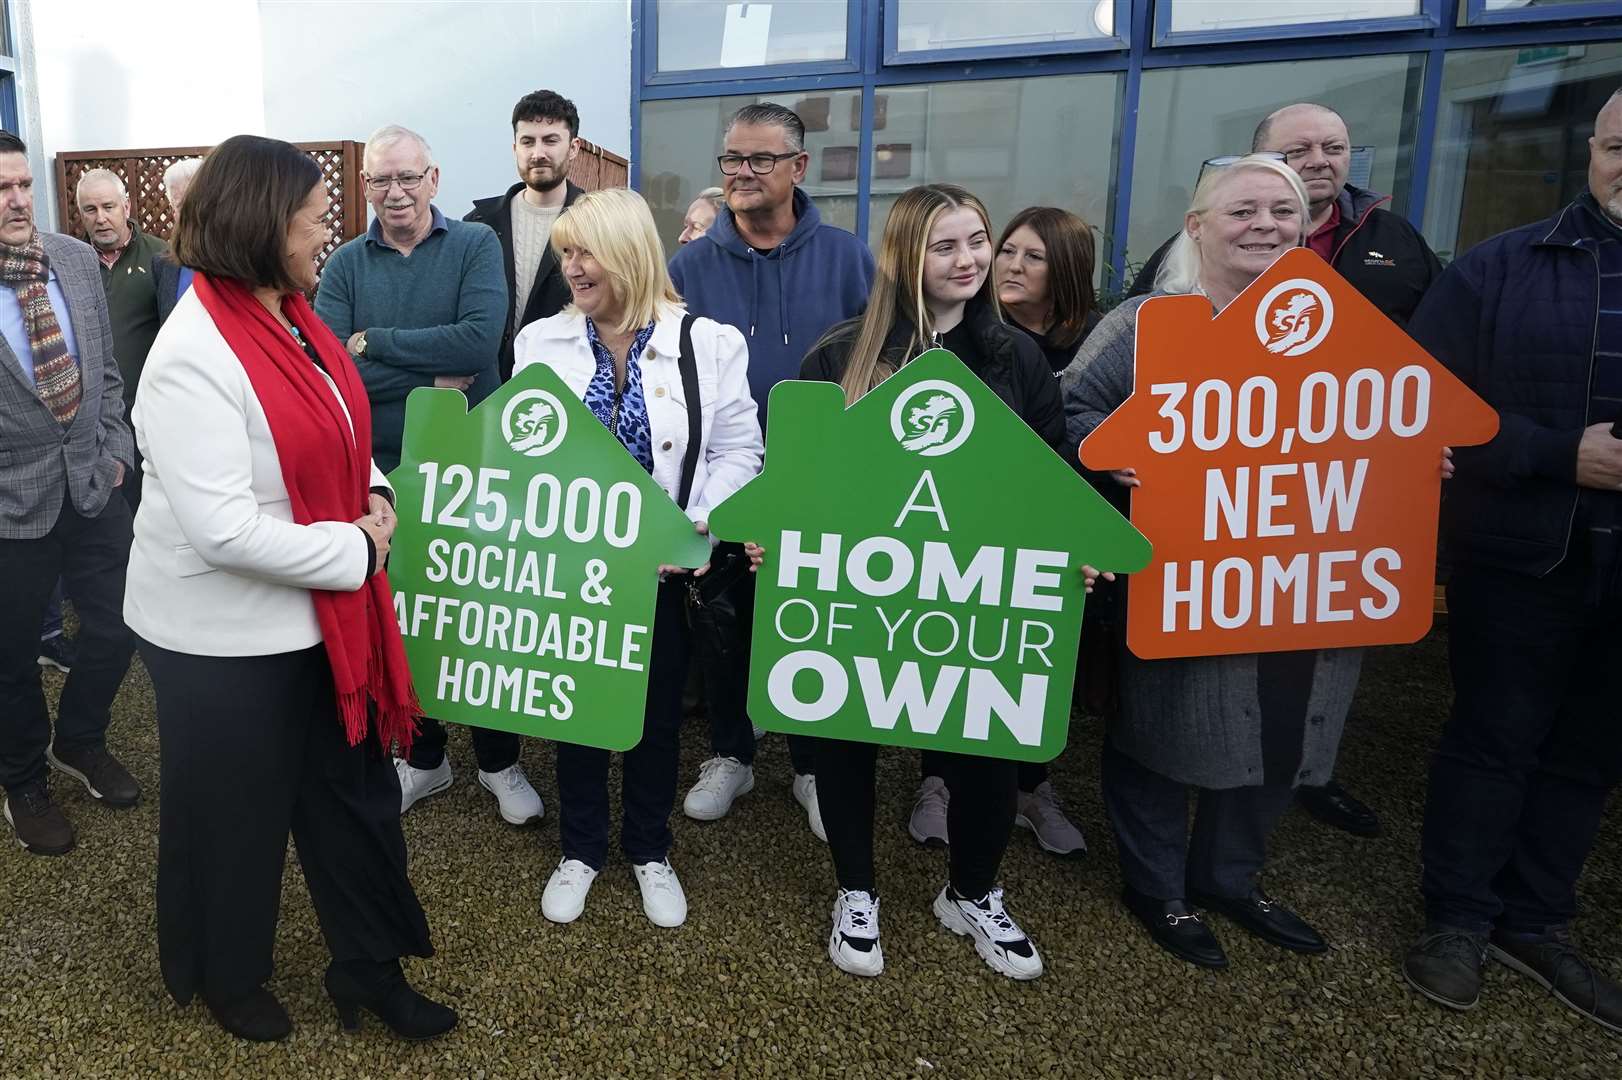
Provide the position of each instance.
(851, 62)
(1428, 17)
(1476, 12)
(894, 55)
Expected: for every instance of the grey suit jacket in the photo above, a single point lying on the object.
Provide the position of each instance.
(39, 459)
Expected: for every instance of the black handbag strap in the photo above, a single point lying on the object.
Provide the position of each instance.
(688, 366)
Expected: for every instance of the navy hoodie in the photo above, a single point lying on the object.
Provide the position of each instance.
(782, 301)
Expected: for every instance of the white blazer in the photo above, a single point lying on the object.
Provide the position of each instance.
(731, 448)
(218, 567)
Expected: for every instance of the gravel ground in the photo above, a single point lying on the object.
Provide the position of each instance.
(746, 988)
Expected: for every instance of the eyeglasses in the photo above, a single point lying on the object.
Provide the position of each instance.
(1233, 159)
(407, 182)
(759, 164)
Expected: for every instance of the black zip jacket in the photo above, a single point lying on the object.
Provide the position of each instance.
(550, 293)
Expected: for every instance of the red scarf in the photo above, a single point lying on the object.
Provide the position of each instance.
(326, 465)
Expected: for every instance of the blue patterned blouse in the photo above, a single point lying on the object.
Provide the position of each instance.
(624, 413)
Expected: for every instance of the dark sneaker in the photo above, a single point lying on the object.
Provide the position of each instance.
(1445, 966)
(1554, 963)
(1334, 805)
(99, 772)
(40, 826)
(57, 651)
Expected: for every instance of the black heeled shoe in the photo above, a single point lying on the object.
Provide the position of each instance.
(382, 990)
(256, 1016)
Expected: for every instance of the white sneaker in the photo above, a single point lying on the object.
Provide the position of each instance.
(805, 793)
(720, 780)
(927, 825)
(662, 899)
(854, 944)
(565, 895)
(996, 936)
(519, 802)
(416, 784)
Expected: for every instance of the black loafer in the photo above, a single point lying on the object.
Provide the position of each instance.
(1266, 918)
(1176, 929)
(1334, 805)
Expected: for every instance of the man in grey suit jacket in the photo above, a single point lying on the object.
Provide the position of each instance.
(64, 449)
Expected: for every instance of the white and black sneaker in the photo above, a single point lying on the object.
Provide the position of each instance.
(996, 936)
(854, 944)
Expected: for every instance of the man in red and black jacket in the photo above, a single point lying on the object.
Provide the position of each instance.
(1378, 252)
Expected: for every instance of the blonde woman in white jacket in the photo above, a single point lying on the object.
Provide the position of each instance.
(618, 346)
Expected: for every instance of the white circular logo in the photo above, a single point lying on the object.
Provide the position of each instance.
(534, 423)
(938, 424)
(1294, 317)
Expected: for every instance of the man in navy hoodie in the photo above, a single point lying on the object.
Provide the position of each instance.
(770, 267)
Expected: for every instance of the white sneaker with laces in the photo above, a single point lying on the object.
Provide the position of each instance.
(417, 784)
(518, 800)
(805, 793)
(720, 780)
(662, 899)
(565, 895)
(854, 944)
(996, 936)
(927, 825)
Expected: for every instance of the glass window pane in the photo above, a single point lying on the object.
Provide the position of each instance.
(1512, 137)
(1237, 16)
(697, 35)
(928, 25)
(680, 141)
(1013, 142)
(1512, 5)
(1191, 114)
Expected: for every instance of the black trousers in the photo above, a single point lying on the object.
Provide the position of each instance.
(493, 750)
(648, 790)
(90, 554)
(979, 815)
(731, 732)
(1031, 773)
(1531, 750)
(252, 748)
(1149, 815)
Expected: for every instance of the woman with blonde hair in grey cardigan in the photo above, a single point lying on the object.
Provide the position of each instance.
(1244, 729)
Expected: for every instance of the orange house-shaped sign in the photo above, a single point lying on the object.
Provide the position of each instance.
(1289, 453)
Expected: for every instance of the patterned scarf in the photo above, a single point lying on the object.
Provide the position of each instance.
(56, 375)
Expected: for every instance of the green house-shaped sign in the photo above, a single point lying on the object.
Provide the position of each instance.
(922, 583)
(525, 565)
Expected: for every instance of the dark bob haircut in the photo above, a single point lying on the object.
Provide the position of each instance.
(542, 106)
(238, 208)
(1070, 253)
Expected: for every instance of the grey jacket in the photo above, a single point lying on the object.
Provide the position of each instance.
(1197, 720)
(38, 458)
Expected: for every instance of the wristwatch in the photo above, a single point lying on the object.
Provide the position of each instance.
(360, 346)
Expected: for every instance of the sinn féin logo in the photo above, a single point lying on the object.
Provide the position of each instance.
(932, 417)
(1294, 317)
(534, 423)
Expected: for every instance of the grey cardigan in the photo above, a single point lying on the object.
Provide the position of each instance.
(1196, 720)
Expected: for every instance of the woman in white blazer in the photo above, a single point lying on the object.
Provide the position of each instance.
(618, 346)
(255, 588)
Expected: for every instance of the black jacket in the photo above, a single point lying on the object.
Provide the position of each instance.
(1009, 363)
(1377, 252)
(1515, 317)
(550, 293)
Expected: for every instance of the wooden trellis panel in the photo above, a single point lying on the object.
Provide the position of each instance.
(142, 173)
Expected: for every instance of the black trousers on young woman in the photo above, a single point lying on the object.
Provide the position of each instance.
(252, 748)
(979, 814)
(1031, 773)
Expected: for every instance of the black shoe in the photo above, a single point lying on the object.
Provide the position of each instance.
(1334, 805)
(1554, 963)
(57, 651)
(1176, 929)
(1445, 966)
(257, 1017)
(1266, 918)
(99, 772)
(382, 990)
(39, 824)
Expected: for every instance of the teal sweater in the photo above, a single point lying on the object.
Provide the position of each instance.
(438, 311)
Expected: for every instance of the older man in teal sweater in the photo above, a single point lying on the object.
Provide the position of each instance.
(419, 298)
(421, 301)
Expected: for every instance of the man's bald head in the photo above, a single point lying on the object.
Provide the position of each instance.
(1264, 130)
(1605, 157)
(1315, 143)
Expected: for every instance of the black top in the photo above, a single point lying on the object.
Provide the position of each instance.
(1059, 356)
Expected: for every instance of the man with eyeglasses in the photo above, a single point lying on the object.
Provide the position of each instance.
(546, 140)
(1378, 252)
(421, 300)
(770, 266)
